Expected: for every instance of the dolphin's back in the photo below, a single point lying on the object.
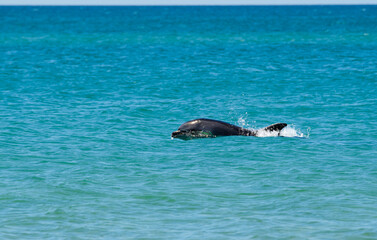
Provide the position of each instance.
(217, 128)
(204, 128)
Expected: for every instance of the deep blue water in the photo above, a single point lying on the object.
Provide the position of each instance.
(90, 95)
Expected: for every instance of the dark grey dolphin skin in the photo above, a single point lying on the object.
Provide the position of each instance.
(205, 128)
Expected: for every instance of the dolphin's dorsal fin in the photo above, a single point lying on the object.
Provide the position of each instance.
(275, 127)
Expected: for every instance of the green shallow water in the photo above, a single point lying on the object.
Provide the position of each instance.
(90, 95)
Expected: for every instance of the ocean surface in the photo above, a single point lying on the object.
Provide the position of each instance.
(89, 97)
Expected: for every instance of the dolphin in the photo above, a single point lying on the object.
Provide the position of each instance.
(209, 128)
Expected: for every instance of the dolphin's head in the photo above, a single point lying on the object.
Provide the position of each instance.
(190, 134)
(184, 135)
(190, 130)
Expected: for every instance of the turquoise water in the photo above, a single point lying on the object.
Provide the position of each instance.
(90, 95)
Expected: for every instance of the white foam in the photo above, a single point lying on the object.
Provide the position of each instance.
(263, 133)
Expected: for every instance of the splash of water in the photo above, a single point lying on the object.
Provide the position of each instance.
(288, 131)
(241, 122)
(244, 122)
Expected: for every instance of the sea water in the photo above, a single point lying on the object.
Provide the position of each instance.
(89, 97)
